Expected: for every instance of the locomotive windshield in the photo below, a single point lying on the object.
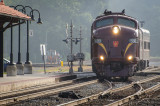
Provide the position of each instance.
(104, 22)
(118, 20)
(126, 22)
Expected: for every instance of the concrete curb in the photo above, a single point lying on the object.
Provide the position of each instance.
(64, 78)
(22, 84)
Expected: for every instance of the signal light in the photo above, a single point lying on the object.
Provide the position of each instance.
(77, 40)
(65, 40)
(115, 30)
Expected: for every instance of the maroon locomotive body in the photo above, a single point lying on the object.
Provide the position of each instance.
(119, 47)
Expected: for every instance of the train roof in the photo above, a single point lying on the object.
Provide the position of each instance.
(110, 13)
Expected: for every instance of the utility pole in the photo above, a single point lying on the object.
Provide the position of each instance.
(80, 39)
(71, 65)
(71, 57)
(80, 69)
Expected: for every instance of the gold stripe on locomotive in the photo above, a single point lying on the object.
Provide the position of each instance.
(128, 46)
(100, 44)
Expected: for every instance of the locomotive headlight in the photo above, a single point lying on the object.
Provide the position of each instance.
(102, 58)
(115, 30)
(130, 57)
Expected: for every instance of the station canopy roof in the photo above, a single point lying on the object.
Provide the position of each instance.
(7, 12)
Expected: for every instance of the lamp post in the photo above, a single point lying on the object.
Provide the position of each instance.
(19, 43)
(20, 66)
(19, 37)
(19, 33)
(39, 22)
(28, 65)
(27, 54)
(32, 16)
(12, 70)
(11, 53)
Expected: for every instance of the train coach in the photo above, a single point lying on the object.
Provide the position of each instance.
(119, 46)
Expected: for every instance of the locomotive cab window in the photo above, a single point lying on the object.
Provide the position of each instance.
(126, 22)
(104, 22)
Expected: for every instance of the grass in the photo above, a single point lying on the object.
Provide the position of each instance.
(155, 57)
(61, 69)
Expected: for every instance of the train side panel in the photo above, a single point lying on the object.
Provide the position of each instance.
(144, 36)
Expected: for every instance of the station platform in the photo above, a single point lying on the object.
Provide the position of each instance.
(8, 83)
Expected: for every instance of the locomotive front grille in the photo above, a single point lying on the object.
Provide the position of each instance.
(116, 66)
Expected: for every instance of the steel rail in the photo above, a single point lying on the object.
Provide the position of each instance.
(96, 96)
(34, 88)
(54, 91)
(117, 89)
(148, 90)
(80, 101)
(149, 79)
(130, 85)
(135, 96)
(109, 84)
(39, 87)
(126, 99)
(90, 98)
(43, 93)
(86, 99)
(152, 69)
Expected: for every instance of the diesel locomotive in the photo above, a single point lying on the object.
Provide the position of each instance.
(119, 46)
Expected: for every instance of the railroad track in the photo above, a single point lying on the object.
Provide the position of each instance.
(30, 93)
(136, 95)
(37, 91)
(86, 99)
(139, 94)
